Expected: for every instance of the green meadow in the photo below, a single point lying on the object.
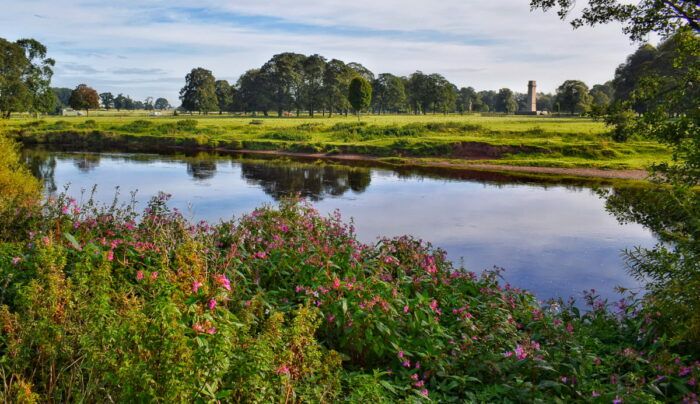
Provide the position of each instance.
(551, 141)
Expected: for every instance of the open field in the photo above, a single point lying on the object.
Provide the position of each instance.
(566, 142)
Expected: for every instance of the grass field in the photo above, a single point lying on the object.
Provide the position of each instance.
(508, 140)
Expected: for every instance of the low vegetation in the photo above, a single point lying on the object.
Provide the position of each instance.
(535, 141)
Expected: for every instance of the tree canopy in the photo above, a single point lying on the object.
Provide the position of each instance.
(199, 92)
(84, 97)
(25, 77)
(359, 94)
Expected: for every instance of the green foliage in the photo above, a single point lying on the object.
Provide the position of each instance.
(25, 77)
(284, 305)
(359, 94)
(84, 97)
(572, 96)
(199, 92)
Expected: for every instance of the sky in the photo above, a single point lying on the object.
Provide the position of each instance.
(146, 48)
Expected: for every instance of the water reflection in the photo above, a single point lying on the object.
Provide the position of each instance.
(313, 182)
(553, 239)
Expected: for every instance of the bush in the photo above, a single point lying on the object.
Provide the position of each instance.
(286, 305)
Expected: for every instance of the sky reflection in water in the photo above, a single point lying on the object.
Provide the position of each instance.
(554, 240)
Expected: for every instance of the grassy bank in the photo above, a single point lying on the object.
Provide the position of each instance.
(504, 140)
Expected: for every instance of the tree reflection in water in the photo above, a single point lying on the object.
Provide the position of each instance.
(313, 182)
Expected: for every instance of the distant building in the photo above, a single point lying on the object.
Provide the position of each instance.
(531, 107)
(70, 112)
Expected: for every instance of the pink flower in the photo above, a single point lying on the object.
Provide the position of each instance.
(224, 282)
(15, 260)
(405, 309)
(507, 354)
(198, 328)
(110, 255)
(617, 400)
(139, 275)
(282, 370)
(212, 304)
(407, 363)
(424, 392)
(211, 331)
(196, 285)
(419, 384)
(154, 275)
(563, 379)
(331, 318)
(400, 354)
(594, 394)
(569, 327)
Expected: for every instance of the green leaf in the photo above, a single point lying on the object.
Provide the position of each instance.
(72, 240)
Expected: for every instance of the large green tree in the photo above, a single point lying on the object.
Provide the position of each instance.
(199, 92)
(468, 100)
(282, 80)
(84, 97)
(224, 96)
(359, 94)
(505, 101)
(388, 93)
(107, 100)
(161, 104)
(572, 96)
(252, 92)
(25, 77)
(311, 91)
(336, 81)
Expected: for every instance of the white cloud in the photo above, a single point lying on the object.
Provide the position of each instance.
(487, 45)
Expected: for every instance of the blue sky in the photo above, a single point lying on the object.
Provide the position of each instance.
(146, 48)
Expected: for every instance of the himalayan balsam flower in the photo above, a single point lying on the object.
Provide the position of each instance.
(617, 400)
(139, 275)
(407, 363)
(224, 282)
(405, 309)
(110, 255)
(16, 260)
(331, 318)
(424, 392)
(212, 304)
(211, 331)
(196, 285)
(154, 275)
(400, 354)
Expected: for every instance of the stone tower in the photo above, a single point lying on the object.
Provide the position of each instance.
(532, 96)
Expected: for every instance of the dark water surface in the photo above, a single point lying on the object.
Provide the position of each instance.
(555, 240)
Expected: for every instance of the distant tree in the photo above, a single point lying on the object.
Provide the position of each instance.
(84, 97)
(599, 96)
(25, 77)
(139, 105)
(545, 102)
(282, 80)
(629, 74)
(573, 96)
(336, 81)
(129, 103)
(199, 92)
(107, 100)
(362, 71)
(505, 101)
(422, 92)
(162, 104)
(640, 19)
(468, 100)
(148, 104)
(311, 93)
(488, 97)
(63, 95)
(120, 102)
(224, 95)
(359, 94)
(253, 94)
(445, 94)
(388, 93)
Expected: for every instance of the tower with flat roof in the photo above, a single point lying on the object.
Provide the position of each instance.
(532, 96)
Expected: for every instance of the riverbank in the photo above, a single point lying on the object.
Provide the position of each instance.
(563, 146)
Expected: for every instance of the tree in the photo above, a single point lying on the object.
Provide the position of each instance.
(468, 100)
(659, 16)
(388, 93)
(336, 81)
(148, 104)
(362, 71)
(282, 79)
(505, 101)
(252, 92)
(107, 100)
(311, 91)
(37, 75)
(573, 96)
(84, 97)
(359, 94)
(120, 102)
(25, 76)
(199, 92)
(63, 95)
(224, 95)
(488, 97)
(161, 104)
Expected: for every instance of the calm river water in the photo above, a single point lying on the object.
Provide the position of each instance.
(555, 240)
